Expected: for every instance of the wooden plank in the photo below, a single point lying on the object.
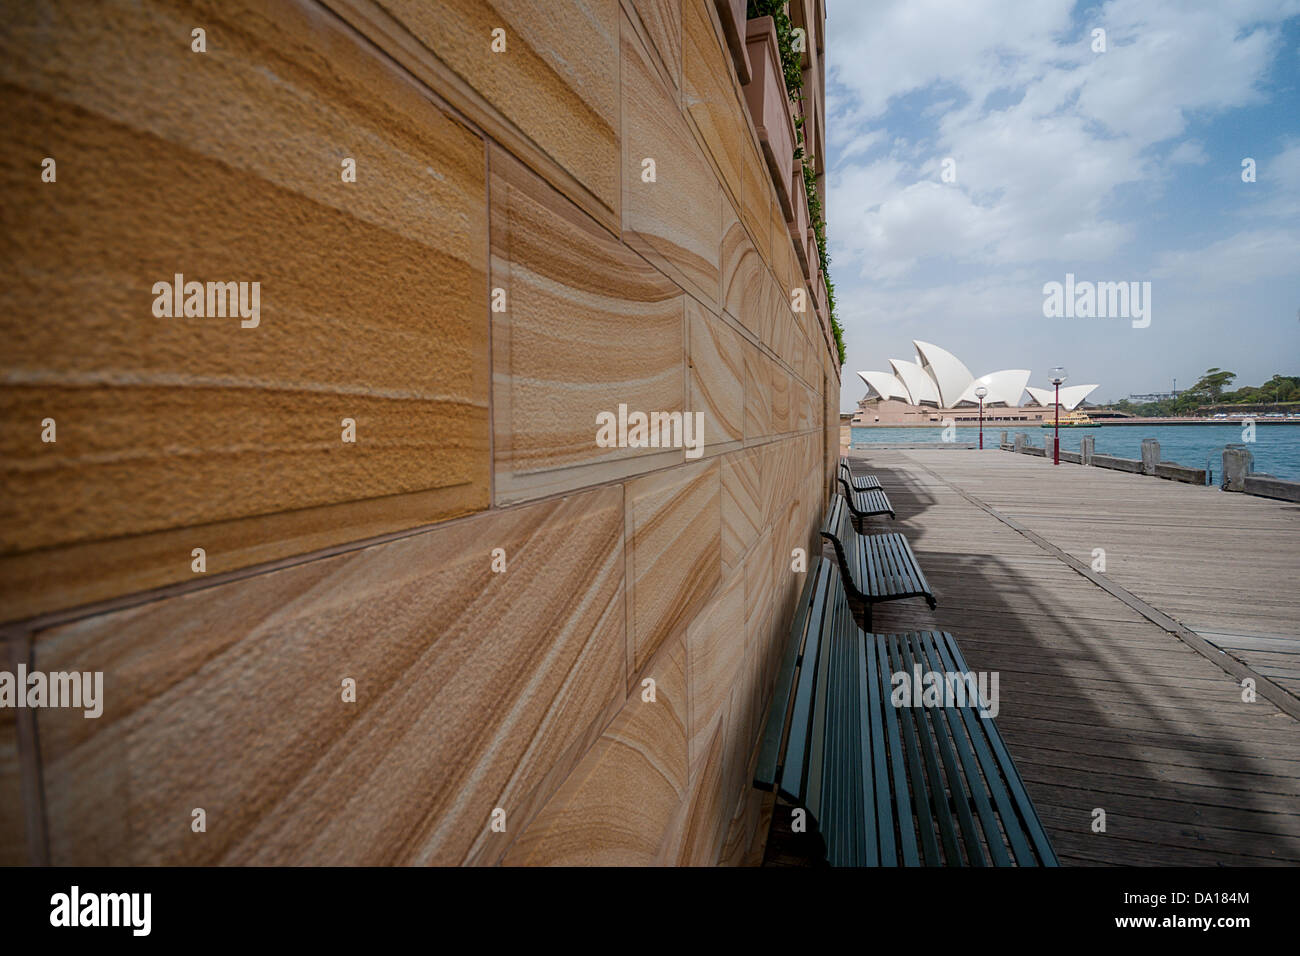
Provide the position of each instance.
(1105, 698)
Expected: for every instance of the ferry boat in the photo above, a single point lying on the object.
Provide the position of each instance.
(1070, 420)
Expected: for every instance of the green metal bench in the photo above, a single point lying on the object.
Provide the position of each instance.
(886, 785)
(864, 504)
(858, 482)
(876, 567)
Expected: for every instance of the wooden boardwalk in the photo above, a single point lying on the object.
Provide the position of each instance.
(1114, 694)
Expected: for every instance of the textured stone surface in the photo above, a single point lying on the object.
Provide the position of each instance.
(620, 806)
(476, 171)
(717, 376)
(567, 104)
(760, 607)
(785, 266)
(760, 377)
(778, 394)
(744, 831)
(744, 293)
(674, 541)
(741, 735)
(709, 94)
(715, 644)
(589, 325)
(757, 200)
(704, 815)
(742, 504)
(662, 21)
(784, 330)
(473, 690)
(168, 423)
(674, 220)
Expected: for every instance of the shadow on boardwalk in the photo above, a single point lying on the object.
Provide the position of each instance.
(1102, 709)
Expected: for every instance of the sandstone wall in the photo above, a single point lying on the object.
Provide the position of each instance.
(476, 690)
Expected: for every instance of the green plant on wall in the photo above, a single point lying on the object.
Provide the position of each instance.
(776, 9)
(790, 66)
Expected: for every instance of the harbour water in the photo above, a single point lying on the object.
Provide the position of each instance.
(1276, 447)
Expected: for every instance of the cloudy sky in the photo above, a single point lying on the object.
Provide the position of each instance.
(1124, 165)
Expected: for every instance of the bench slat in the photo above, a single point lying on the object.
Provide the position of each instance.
(970, 771)
(837, 770)
(864, 504)
(1024, 805)
(859, 482)
(886, 785)
(926, 732)
(824, 673)
(977, 727)
(850, 636)
(920, 792)
(793, 777)
(898, 777)
(878, 567)
(808, 610)
(881, 845)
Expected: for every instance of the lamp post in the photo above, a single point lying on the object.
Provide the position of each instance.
(1058, 376)
(980, 392)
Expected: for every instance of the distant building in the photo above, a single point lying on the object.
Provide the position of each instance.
(1152, 397)
(939, 385)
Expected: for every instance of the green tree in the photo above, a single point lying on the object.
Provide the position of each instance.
(1279, 388)
(1213, 382)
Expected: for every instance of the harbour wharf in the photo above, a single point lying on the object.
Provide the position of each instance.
(1147, 634)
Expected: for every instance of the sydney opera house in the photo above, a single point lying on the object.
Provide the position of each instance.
(938, 385)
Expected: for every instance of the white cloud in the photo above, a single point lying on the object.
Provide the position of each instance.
(1188, 153)
(1062, 158)
(1035, 180)
(1245, 257)
(862, 144)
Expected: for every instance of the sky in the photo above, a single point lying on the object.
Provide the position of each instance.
(1115, 166)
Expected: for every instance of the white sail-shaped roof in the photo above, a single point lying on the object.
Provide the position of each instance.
(884, 384)
(1071, 395)
(921, 389)
(1005, 387)
(939, 378)
(949, 372)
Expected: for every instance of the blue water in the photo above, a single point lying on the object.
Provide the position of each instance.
(1276, 447)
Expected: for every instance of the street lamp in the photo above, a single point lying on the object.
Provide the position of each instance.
(980, 392)
(1058, 376)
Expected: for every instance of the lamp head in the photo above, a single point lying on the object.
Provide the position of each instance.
(980, 392)
(1058, 375)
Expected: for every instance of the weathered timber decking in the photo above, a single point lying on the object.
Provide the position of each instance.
(1111, 698)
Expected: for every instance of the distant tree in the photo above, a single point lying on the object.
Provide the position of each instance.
(1212, 383)
(1279, 388)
